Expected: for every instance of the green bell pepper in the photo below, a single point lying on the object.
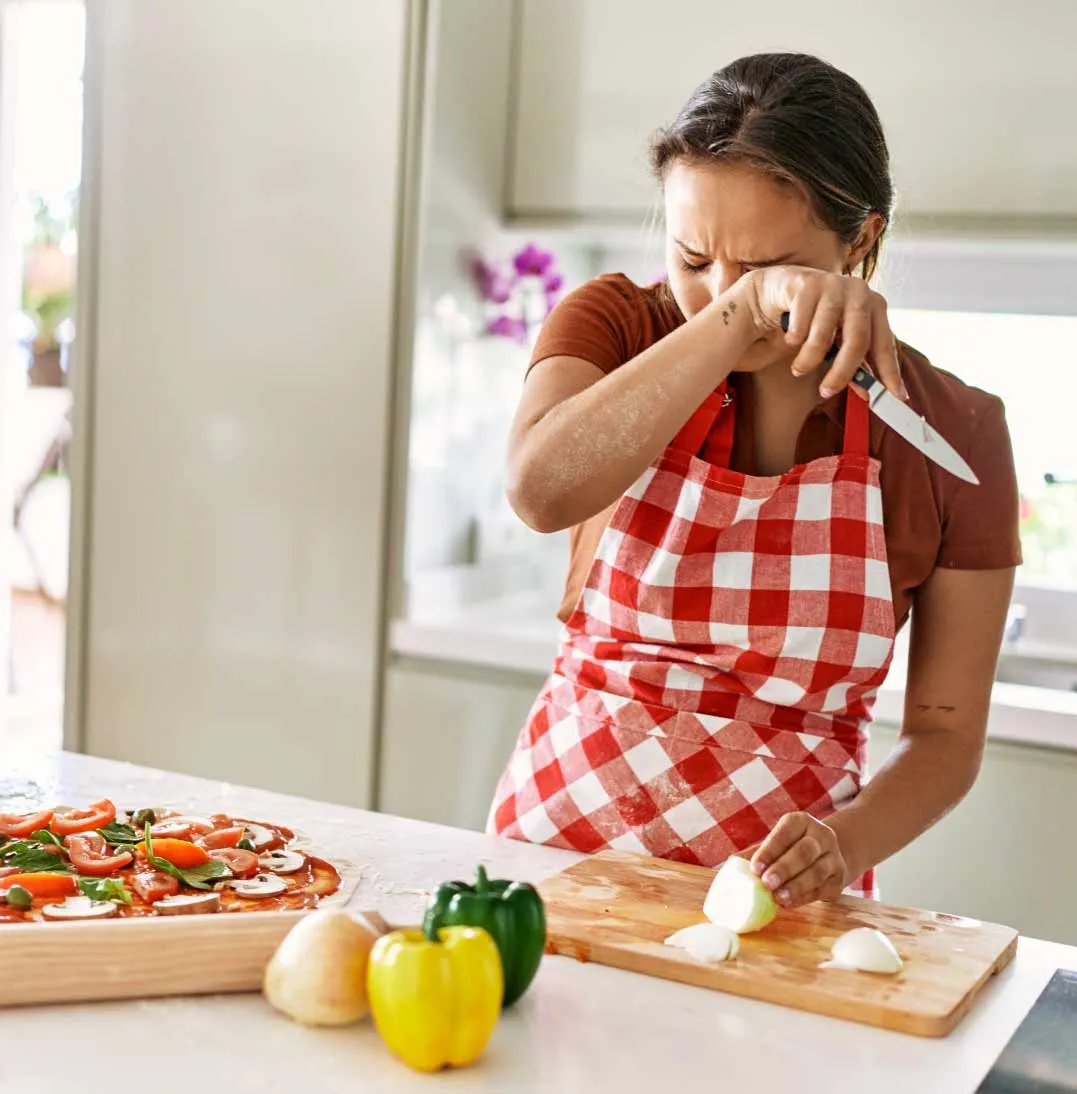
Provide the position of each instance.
(511, 912)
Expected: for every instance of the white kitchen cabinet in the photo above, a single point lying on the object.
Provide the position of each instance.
(448, 731)
(1004, 853)
(238, 259)
(977, 100)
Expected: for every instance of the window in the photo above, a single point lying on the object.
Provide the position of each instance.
(1029, 361)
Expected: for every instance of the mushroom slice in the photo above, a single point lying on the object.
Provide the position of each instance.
(188, 904)
(283, 862)
(80, 907)
(260, 837)
(261, 885)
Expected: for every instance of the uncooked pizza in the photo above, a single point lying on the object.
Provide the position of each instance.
(100, 863)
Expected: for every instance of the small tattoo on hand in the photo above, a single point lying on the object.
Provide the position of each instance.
(732, 306)
(725, 318)
(945, 708)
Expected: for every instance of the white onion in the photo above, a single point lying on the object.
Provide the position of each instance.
(706, 942)
(866, 950)
(737, 899)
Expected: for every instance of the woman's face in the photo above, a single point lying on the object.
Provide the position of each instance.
(723, 220)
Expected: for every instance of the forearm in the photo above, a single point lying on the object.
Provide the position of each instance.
(925, 776)
(584, 453)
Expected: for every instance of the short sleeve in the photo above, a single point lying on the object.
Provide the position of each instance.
(980, 528)
(599, 322)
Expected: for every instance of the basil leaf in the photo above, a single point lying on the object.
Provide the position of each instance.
(120, 834)
(245, 844)
(194, 876)
(198, 876)
(104, 888)
(32, 858)
(43, 835)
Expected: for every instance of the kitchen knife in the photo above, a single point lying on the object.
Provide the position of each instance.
(904, 420)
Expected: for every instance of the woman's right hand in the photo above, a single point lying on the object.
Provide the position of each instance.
(821, 307)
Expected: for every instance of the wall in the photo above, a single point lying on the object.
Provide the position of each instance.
(235, 350)
(9, 301)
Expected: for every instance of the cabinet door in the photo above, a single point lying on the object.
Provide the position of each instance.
(996, 856)
(978, 111)
(447, 733)
(243, 200)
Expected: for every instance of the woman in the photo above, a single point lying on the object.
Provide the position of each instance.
(746, 539)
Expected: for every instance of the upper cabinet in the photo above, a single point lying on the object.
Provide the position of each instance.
(978, 101)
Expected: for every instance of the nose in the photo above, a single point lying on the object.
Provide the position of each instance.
(722, 278)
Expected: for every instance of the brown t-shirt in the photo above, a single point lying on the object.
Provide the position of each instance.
(932, 519)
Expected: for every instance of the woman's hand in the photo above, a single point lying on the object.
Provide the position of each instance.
(821, 307)
(801, 861)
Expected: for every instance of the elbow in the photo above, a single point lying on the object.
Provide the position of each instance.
(533, 501)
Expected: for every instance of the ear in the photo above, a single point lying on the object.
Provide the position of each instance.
(874, 226)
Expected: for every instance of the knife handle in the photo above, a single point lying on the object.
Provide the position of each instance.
(862, 378)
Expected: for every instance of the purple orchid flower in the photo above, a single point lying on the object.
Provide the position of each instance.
(508, 326)
(552, 283)
(493, 286)
(532, 261)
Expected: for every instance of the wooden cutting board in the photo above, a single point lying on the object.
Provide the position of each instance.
(616, 909)
(142, 957)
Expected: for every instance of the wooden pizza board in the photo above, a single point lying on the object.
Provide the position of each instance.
(142, 957)
(616, 909)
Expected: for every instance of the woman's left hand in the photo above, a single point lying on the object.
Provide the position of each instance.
(801, 861)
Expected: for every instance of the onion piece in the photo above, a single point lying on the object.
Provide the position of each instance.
(318, 974)
(737, 899)
(866, 950)
(706, 942)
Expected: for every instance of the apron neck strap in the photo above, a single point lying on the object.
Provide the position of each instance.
(857, 418)
(708, 434)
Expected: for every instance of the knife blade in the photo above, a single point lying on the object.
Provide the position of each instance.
(904, 421)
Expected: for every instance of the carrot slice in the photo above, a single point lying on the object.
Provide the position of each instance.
(180, 852)
(42, 885)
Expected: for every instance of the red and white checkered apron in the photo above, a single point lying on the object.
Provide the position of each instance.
(721, 665)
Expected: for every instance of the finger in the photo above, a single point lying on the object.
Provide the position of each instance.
(794, 862)
(810, 884)
(883, 356)
(856, 330)
(824, 328)
(801, 312)
(749, 851)
(783, 835)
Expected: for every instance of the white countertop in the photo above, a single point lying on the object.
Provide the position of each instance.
(518, 632)
(580, 1028)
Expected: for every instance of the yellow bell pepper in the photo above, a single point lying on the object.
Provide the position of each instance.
(435, 998)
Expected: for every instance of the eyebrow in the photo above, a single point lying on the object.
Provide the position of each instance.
(779, 261)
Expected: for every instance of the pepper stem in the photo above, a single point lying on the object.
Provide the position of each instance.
(430, 929)
(481, 883)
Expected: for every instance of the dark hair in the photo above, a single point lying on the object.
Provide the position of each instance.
(802, 121)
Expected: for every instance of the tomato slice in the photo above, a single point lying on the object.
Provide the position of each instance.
(222, 837)
(179, 852)
(91, 855)
(242, 863)
(7, 871)
(84, 820)
(154, 885)
(19, 826)
(43, 884)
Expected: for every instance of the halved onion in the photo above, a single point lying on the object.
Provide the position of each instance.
(737, 899)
